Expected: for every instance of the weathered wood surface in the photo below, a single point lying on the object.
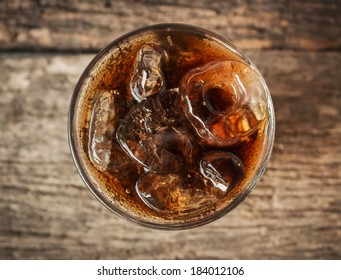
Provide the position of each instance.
(76, 25)
(46, 212)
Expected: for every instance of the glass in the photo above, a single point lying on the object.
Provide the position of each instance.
(171, 126)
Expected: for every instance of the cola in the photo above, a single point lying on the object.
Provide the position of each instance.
(171, 126)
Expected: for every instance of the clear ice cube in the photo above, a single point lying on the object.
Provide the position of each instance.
(147, 78)
(104, 152)
(151, 138)
(175, 194)
(223, 169)
(224, 100)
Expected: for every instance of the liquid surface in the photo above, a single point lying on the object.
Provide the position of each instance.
(172, 125)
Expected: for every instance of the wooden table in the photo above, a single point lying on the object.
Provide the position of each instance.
(46, 212)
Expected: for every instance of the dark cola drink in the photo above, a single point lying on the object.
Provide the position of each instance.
(171, 126)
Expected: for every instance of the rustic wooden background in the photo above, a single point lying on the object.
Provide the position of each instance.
(46, 212)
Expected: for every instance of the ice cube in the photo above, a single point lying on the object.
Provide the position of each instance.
(104, 151)
(223, 169)
(224, 100)
(175, 194)
(168, 101)
(152, 139)
(147, 78)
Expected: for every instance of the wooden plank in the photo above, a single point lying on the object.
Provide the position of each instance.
(293, 213)
(90, 25)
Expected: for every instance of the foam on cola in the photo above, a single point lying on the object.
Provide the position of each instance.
(171, 125)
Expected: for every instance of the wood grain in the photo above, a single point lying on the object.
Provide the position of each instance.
(76, 25)
(47, 212)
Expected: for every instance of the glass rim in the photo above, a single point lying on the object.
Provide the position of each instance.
(260, 168)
